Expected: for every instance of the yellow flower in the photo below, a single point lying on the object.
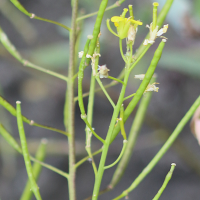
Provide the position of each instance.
(123, 24)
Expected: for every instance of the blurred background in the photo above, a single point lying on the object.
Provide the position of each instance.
(43, 97)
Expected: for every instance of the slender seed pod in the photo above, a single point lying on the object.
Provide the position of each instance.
(12, 142)
(25, 152)
(10, 139)
(96, 30)
(20, 7)
(40, 155)
(80, 78)
(163, 150)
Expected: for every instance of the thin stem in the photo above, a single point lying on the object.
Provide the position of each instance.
(87, 157)
(31, 65)
(116, 4)
(113, 83)
(167, 179)
(135, 129)
(163, 150)
(25, 152)
(142, 87)
(69, 109)
(40, 155)
(16, 146)
(105, 92)
(107, 141)
(31, 15)
(12, 111)
(121, 50)
(140, 56)
(115, 79)
(109, 136)
(12, 50)
(132, 95)
(52, 22)
(50, 167)
(120, 155)
(123, 132)
(83, 117)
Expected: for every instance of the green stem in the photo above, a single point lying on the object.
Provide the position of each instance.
(135, 128)
(86, 158)
(69, 109)
(132, 95)
(163, 150)
(113, 83)
(115, 79)
(120, 155)
(109, 136)
(84, 118)
(140, 56)
(121, 50)
(12, 50)
(50, 167)
(167, 179)
(123, 132)
(116, 4)
(25, 152)
(40, 155)
(16, 146)
(12, 111)
(142, 87)
(31, 65)
(105, 92)
(91, 105)
(22, 25)
(107, 141)
(31, 15)
(52, 22)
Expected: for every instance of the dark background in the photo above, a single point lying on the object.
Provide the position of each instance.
(43, 97)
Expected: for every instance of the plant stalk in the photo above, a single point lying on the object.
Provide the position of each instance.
(69, 110)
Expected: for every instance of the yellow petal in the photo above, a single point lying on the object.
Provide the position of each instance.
(116, 19)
